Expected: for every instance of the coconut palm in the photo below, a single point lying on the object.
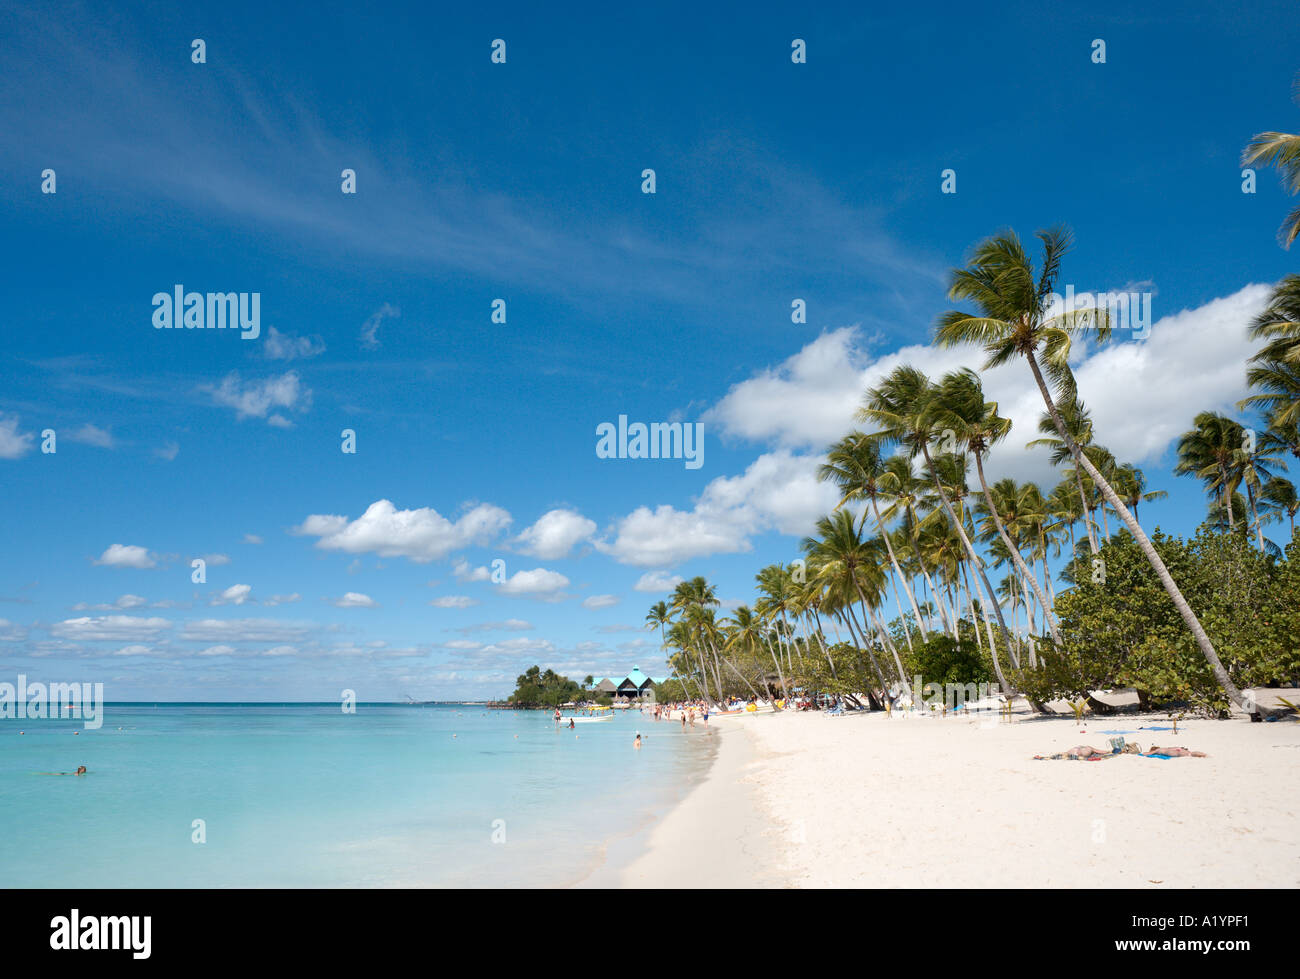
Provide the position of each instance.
(1212, 452)
(1078, 422)
(1283, 151)
(1276, 372)
(1131, 485)
(900, 406)
(958, 405)
(1014, 320)
(842, 559)
(1279, 498)
(857, 468)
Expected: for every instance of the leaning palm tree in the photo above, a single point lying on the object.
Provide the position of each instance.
(843, 560)
(1014, 320)
(901, 406)
(1283, 151)
(1078, 422)
(857, 468)
(958, 405)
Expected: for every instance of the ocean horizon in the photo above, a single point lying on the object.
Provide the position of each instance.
(245, 794)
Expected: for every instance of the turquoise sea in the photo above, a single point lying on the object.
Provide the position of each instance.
(303, 795)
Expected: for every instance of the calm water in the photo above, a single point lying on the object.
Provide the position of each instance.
(306, 796)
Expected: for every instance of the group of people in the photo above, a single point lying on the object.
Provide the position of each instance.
(686, 711)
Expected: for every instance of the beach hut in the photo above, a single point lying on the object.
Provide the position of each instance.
(635, 684)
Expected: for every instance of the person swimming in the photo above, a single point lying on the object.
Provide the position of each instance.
(637, 742)
(81, 770)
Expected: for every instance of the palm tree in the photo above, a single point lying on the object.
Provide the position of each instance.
(1283, 151)
(1276, 374)
(900, 405)
(857, 467)
(1279, 497)
(959, 405)
(1131, 485)
(690, 598)
(906, 494)
(1014, 321)
(1064, 506)
(1209, 452)
(1078, 422)
(1220, 453)
(841, 558)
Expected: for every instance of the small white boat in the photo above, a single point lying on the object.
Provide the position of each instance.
(601, 714)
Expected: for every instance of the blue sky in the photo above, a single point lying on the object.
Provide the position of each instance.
(522, 181)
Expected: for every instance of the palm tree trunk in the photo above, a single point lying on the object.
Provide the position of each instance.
(865, 645)
(1254, 515)
(1083, 504)
(970, 549)
(1162, 572)
(1015, 553)
(777, 660)
(880, 525)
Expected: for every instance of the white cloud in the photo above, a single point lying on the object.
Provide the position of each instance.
(216, 560)
(555, 534)
(168, 451)
(136, 649)
(126, 556)
(217, 651)
(13, 443)
(89, 434)
(256, 399)
(421, 535)
(658, 581)
(234, 595)
(252, 539)
(599, 601)
(354, 599)
(282, 600)
(370, 329)
(454, 601)
(11, 632)
(121, 628)
(1142, 394)
(243, 630)
(283, 346)
(509, 625)
(537, 582)
(463, 572)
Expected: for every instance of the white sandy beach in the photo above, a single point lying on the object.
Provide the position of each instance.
(810, 800)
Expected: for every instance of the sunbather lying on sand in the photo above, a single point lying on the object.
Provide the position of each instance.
(1085, 752)
(1177, 752)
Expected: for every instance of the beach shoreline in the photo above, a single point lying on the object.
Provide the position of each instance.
(869, 800)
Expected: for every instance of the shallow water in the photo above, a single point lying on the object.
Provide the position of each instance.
(306, 796)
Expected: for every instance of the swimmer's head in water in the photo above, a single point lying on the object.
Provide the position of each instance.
(81, 769)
